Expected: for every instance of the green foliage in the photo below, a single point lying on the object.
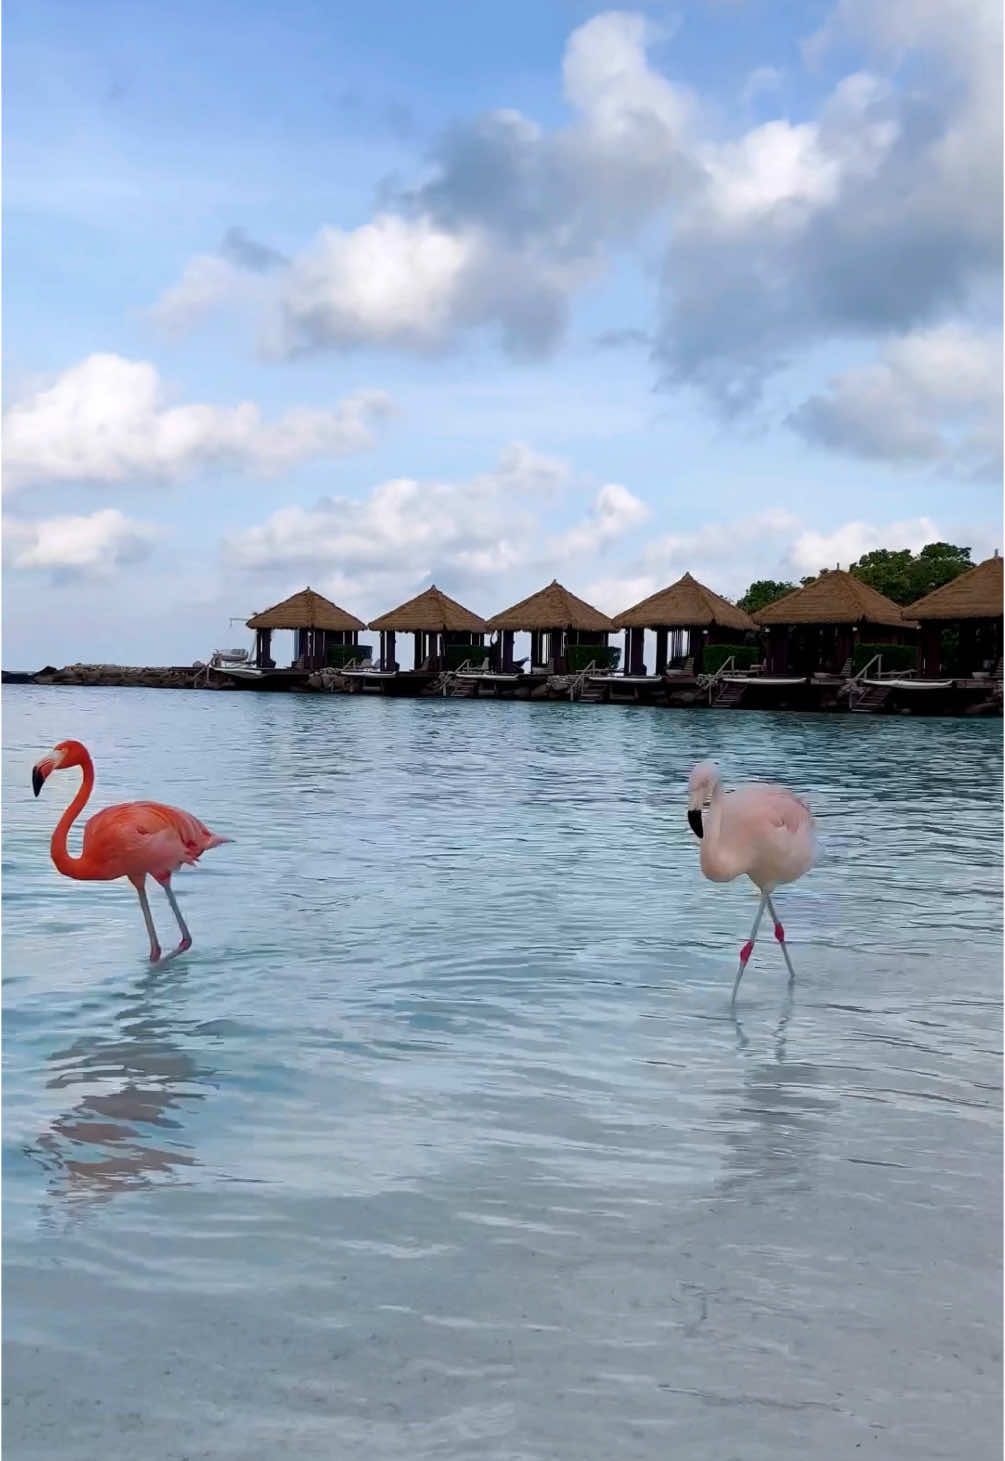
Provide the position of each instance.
(895, 656)
(904, 576)
(763, 591)
(458, 653)
(716, 655)
(578, 656)
(343, 654)
(898, 573)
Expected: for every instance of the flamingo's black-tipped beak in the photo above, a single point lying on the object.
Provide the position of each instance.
(694, 821)
(37, 780)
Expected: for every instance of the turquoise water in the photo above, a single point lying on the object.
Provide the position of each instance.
(442, 1141)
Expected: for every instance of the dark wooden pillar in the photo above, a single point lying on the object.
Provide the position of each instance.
(635, 652)
(661, 651)
(844, 645)
(556, 650)
(931, 647)
(507, 651)
(696, 648)
(968, 649)
(263, 648)
(778, 649)
(626, 653)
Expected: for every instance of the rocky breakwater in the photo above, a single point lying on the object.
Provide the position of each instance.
(151, 677)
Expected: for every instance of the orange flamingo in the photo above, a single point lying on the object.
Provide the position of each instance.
(126, 841)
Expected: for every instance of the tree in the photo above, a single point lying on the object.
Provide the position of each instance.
(764, 591)
(904, 576)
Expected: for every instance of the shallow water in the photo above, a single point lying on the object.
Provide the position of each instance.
(442, 1141)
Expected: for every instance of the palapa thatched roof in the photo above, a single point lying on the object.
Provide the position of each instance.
(684, 604)
(836, 597)
(431, 612)
(976, 594)
(553, 607)
(305, 610)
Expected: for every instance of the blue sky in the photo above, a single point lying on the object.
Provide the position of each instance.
(365, 296)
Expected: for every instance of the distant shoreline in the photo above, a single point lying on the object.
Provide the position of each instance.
(801, 696)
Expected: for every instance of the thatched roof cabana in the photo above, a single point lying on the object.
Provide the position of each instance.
(685, 617)
(306, 610)
(961, 623)
(836, 597)
(976, 594)
(685, 604)
(323, 632)
(816, 628)
(431, 612)
(552, 608)
(567, 621)
(442, 627)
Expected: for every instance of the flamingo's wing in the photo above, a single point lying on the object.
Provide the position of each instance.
(145, 837)
(776, 827)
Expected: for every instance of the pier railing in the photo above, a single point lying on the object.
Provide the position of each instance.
(578, 683)
(712, 682)
(448, 677)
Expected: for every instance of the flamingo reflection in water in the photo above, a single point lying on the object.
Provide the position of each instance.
(126, 1131)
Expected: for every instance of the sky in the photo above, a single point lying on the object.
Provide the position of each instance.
(371, 296)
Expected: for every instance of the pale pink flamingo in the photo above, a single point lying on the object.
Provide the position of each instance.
(761, 830)
(126, 841)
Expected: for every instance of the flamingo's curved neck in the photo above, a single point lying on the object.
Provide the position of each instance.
(719, 861)
(73, 867)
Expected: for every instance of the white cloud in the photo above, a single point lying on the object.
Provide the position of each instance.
(391, 282)
(717, 542)
(615, 512)
(879, 215)
(107, 420)
(94, 546)
(406, 532)
(933, 396)
(729, 556)
(812, 551)
(207, 281)
(876, 215)
(761, 80)
(511, 225)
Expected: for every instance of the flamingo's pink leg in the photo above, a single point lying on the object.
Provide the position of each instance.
(780, 936)
(186, 937)
(748, 947)
(148, 919)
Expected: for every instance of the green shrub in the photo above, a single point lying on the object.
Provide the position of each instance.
(744, 655)
(343, 654)
(579, 656)
(457, 654)
(895, 656)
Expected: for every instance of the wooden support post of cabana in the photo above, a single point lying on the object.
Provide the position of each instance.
(388, 650)
(571, 628)
(324, 635)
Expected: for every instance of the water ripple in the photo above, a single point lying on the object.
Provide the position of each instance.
(443, 1140)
